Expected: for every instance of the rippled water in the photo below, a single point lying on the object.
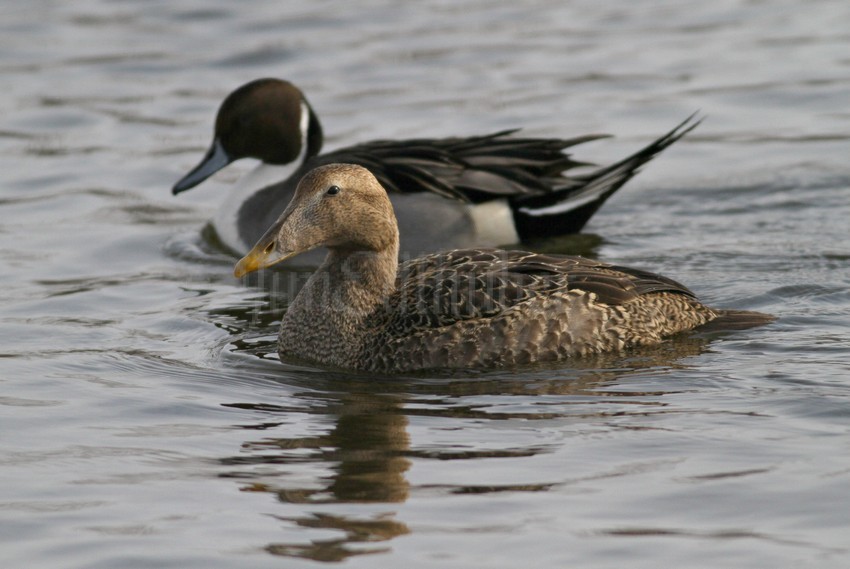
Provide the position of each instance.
(146, 421)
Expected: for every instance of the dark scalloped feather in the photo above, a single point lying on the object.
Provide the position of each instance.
(646, 282)
(445, 288)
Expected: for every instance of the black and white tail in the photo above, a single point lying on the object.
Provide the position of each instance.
(568, 210)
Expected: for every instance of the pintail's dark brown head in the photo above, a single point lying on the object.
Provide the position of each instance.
(266, 119)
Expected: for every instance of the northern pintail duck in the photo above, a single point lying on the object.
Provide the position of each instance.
(473, 308)
(482, 191)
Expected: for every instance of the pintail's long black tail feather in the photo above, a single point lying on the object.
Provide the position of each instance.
(570, 208)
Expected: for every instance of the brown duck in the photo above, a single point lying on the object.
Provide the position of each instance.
(473, 308)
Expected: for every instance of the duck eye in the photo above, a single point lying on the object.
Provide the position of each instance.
(332, 191)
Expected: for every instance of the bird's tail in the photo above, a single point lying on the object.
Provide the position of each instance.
(736, 320)
(567, 210)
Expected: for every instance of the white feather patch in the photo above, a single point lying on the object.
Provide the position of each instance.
(494, 223)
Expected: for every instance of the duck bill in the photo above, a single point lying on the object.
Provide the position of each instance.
(262, 256)
(281, 241)
(215, 159)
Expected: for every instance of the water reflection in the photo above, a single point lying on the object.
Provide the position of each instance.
(367, 450)
(356, 531)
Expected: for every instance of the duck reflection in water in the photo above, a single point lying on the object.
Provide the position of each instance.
(367, 447)
(370, 450)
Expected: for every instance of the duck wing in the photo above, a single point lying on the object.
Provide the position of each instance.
(447, 288)
(472, 169)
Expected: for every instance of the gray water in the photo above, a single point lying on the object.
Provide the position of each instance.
(146, 422)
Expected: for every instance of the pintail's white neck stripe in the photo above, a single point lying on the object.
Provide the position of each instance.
(304, 128)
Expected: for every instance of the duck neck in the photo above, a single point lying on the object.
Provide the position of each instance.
(358, 281)
(326, 322)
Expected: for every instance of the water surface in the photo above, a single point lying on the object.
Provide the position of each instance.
(146, 421)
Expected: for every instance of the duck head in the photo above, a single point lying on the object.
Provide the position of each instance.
(338, 206)
(267, 119)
